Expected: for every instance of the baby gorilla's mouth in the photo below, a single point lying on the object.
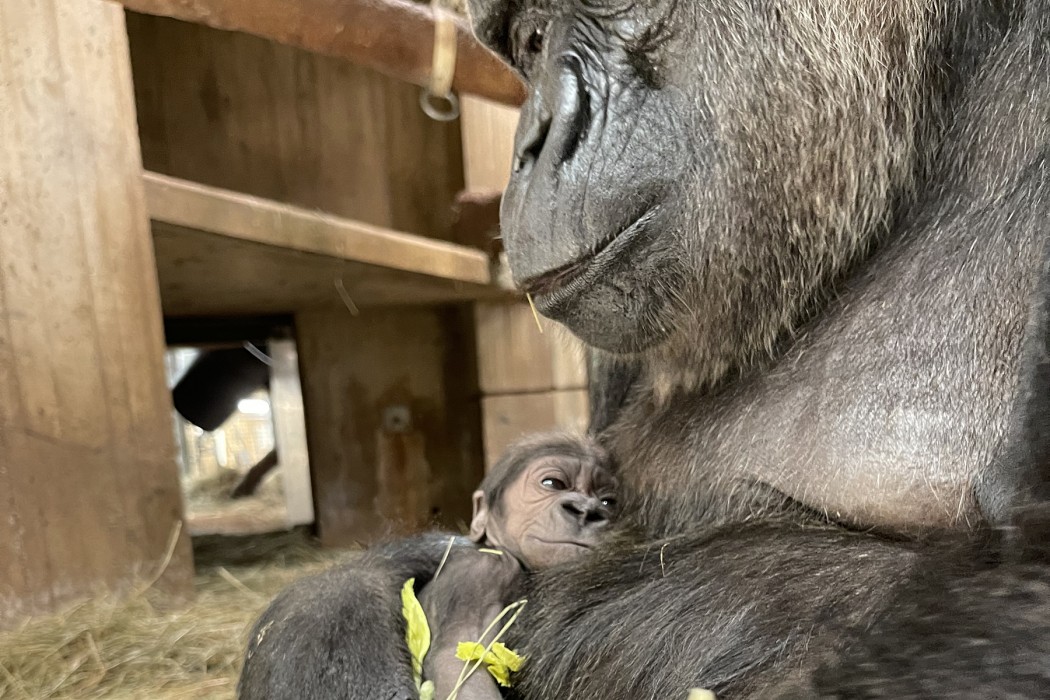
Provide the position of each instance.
(561, 278)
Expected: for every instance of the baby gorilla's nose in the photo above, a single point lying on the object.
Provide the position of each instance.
(586, 511)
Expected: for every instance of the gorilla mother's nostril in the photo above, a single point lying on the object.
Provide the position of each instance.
(531, 144)
(559, 132)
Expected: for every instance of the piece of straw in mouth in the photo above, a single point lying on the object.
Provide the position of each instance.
(535, 313)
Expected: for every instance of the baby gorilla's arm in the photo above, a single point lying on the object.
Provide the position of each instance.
(469, 593)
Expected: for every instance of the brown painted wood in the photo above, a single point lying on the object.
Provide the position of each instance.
(514, 356)
(255, 220)
(394, 37)
(356, 373)
(512, 416)
(88, 481)
(220, 252)
(234, 111)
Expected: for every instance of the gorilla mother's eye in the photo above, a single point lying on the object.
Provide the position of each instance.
(609, 502)
(528, 37)
(553, 483)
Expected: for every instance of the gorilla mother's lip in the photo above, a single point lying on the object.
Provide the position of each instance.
(559, 278)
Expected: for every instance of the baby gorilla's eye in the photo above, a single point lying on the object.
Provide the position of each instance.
(608, 502)
(553, 484)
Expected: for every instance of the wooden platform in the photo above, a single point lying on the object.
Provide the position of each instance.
(224, 253)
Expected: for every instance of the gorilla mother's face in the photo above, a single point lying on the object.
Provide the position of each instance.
(698, 167)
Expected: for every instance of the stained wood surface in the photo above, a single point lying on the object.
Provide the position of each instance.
(248, 115)
(221, 252)
(488, 130)
(394, 37)
(88, 482)
(515, 357)
(509, 417)
(385, 395)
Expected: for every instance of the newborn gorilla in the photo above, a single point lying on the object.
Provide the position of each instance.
(547, 501)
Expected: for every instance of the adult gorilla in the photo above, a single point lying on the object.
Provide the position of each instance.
(809, 232)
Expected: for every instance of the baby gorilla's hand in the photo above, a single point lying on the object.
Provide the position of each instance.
(464, 598)
(469, 592)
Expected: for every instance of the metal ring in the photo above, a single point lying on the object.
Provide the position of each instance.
(449, 113)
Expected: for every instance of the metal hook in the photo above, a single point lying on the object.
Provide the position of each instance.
(429, 102)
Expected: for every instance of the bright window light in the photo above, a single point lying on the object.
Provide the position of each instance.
(254, 407)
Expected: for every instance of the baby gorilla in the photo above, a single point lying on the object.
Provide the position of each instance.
(548, 500)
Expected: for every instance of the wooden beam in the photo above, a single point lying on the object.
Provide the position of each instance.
(394, 37)
(89, 490)
(189, 205)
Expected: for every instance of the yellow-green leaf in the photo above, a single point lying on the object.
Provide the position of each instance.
(499, 660)
(417, 632)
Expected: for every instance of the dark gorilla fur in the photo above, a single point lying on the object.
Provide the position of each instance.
(804, 238)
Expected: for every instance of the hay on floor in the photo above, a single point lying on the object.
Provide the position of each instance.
(142, 647)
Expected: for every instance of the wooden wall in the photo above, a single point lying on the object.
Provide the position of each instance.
(530, 380)
(391, 405)
(246, 114)
(88, 485)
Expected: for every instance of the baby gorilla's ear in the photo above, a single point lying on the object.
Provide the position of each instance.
(480, 522)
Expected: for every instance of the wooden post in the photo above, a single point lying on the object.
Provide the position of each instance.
(88, 483)
(530, 381)
(393, 436)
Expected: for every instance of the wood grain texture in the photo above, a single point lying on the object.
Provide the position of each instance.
(394, 37)
(255, 220)
(354, 371)
(510, 417)
(488, 132)
(248, 115)
(223, 253)
(88, 480)
(515, 357)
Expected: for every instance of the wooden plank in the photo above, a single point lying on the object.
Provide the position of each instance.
(510, 417)
(87, 444)
(394, 37)
(203, 274)
(488, 143)
(252, 219)
(356, 372)
(514, 356)
(248, 115)
(289, 428)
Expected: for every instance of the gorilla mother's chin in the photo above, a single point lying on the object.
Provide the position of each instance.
(587, 212)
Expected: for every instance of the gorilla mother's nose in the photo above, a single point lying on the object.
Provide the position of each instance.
(555, 119)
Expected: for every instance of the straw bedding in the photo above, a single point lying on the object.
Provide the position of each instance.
(143, 647)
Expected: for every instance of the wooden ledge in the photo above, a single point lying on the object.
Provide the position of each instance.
(393, 37)
(222, 252)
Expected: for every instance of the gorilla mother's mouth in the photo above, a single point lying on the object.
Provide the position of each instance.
(607, 249)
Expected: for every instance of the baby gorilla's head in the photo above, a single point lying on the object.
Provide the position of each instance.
(548, 500)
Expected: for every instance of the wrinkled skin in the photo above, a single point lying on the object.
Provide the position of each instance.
(696, 180)
(804, 239)
(556, 509)
(549, 500)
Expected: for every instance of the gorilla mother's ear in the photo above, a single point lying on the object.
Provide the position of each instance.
(480, 522)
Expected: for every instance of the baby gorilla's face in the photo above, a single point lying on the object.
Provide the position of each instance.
(555, 510)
